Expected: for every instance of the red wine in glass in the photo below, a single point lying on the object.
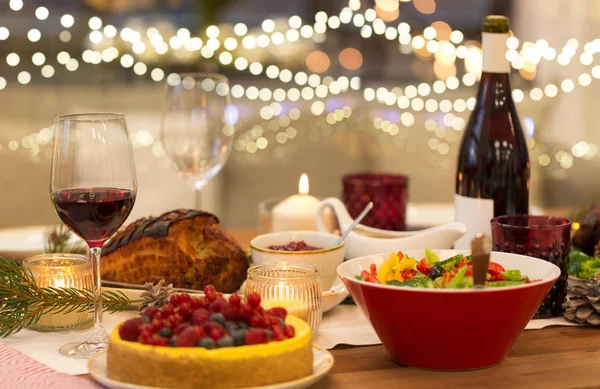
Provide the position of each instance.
(93, 188)
(94, 214)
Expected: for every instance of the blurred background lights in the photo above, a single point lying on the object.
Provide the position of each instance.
(140, 68)
(110, 31)
(38, 59)
(425, 6)
(240, 29)
(268, 25)
(212, 32)
(13, 59)
(34, 35)
(95, 23)
(436, 49)
(72, 65)
(350, 58)
(24, 77)
(4, 33)
(42, 13)
(15, 5)
(317, 61)
(127, 61)
(64, 36)
(67, 21)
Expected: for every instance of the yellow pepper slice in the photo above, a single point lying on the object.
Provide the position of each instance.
(407, 263)
(385, 269)
(398, 275)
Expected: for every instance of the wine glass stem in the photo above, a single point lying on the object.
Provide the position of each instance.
(99, 334)
(197, 199)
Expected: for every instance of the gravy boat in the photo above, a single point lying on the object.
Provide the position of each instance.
(368, 240)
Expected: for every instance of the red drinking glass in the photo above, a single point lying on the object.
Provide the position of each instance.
(544, 237)
(389, 194)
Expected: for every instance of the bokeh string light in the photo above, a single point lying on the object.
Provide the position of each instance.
(438, 40)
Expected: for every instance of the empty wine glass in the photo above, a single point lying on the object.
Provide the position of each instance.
(93, 188)
(197, 126)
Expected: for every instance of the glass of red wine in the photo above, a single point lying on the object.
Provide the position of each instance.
(93, 188)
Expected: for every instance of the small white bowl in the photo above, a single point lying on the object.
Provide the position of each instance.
(325, 260)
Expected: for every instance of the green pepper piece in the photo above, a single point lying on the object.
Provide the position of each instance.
(495, 284)
(451, 262)
(513, 275)
(412, 283)
(359, 278)
(431, 257)
(460, 274)
(467, 282)
(395, 283)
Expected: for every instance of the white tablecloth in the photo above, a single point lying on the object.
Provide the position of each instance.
(344, 324)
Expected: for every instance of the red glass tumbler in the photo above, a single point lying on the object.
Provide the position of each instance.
(544, 237)
(389, 194)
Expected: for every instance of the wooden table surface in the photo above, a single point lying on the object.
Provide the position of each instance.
(556, 357)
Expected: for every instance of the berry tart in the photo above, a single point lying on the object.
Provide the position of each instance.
(210, 342)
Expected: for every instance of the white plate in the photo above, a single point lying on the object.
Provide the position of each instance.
(322, 363)
(332, 298)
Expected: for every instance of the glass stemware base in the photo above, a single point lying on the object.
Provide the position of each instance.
(96, 343)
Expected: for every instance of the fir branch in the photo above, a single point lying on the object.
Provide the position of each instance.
(23, 302)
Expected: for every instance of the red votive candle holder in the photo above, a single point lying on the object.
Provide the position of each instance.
(388, 192)
(544, 237)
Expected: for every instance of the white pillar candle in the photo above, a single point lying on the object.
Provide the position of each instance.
(297, 212)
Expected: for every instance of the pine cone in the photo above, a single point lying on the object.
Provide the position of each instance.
(584, 307)
(155, 295)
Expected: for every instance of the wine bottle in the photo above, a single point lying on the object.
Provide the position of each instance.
(493, 170)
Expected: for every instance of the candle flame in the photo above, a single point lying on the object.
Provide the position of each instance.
(303, 184)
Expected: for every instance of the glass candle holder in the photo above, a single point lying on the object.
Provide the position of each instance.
(61, 271)
(544, 237)
(389, 194)
(294, 287)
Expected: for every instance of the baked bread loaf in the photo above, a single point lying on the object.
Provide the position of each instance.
(185, 247)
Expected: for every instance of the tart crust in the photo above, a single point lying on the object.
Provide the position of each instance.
(199, 368)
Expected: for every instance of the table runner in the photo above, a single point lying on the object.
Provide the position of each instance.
(19, 371)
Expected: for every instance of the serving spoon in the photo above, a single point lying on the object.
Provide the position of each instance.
(354, 224)
(481, 248)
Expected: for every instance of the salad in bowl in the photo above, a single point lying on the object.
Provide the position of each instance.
(424, 309)
(455, 272)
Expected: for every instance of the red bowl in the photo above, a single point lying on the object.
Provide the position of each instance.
(450, 329)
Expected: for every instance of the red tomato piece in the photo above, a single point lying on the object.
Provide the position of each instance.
(469, 271)
(373, 269)
(400, 254)
(423, 266)
(497, 277)
(495, 269)
(366, 276)
(469, 267)
(409, 273)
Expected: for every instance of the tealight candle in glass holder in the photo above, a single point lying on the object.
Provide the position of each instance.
(61, 271)
(293, 286)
